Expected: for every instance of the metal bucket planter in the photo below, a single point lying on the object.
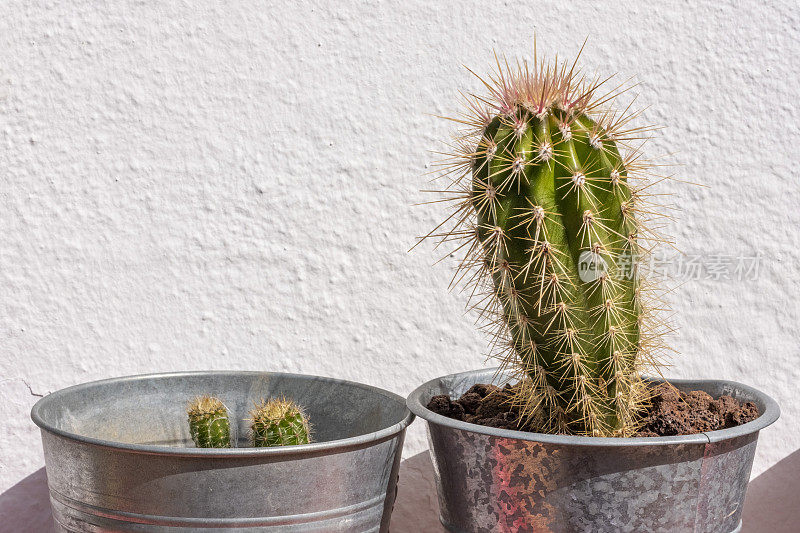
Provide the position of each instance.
(119, 456)
(500, 480)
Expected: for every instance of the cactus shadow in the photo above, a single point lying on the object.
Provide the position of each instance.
(25, 507)
(416, 508)
(772, 503)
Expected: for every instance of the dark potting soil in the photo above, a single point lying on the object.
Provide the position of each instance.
(670, 412)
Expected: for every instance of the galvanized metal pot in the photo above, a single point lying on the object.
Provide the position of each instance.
(500, 480)
(119, 456)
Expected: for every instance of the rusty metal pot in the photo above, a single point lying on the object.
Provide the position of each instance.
(491, 479)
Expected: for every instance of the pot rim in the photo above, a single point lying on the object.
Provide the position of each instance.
(314, 448)
(770, 415)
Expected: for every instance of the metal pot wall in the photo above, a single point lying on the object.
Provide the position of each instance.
(119, 456)
(492, 479)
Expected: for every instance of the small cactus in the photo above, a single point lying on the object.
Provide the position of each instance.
(550, 208)
(278, 422)
(208, 423)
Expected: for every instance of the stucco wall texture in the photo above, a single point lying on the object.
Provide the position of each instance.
(229, 185)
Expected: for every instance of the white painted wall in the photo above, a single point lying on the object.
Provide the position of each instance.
(230, 185)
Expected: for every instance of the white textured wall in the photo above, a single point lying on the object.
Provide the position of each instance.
(230, 185)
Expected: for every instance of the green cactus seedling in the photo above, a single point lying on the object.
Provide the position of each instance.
(208, 423)
(278, 422)
(550, 207)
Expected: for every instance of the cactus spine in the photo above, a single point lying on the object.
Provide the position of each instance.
(208, 423)
(278, 422)
(545, 200)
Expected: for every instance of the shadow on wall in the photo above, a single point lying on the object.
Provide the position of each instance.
(773, 500)
(25, 507)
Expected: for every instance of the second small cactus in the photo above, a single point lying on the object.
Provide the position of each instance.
(278, 422)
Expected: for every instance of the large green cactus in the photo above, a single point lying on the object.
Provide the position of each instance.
(279, 422)
(545, 196)
(208, 423)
